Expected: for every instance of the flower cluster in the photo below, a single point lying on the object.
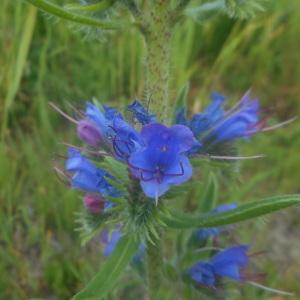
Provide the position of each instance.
(154, 158)
(156, 155)
(227, 263)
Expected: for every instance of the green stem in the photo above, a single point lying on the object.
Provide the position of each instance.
(154, 268)
(157, 26)
(158, 31)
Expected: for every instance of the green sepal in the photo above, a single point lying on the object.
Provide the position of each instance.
(106, 279)
(242, 213)
(116, 169)
(89, 225)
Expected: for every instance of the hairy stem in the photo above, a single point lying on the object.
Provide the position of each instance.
(154, 268)
(158, 31)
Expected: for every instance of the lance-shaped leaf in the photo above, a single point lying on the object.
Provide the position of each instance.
(105, 280)
(242, 213)
(60, 12)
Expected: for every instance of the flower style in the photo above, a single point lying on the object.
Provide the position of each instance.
(162, 161)
(227, 263)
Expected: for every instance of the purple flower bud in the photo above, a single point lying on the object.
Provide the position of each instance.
(94, 204)
(88, 133)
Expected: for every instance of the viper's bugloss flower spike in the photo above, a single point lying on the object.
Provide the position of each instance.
(87, 177)
(94, 203)
(140, 113)
(162, 161)
(205, 233)
(227, 263)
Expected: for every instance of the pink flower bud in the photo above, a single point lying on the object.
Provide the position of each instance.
(94, 204)
(88, 133)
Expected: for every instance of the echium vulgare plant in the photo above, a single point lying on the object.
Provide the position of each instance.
(135, 168)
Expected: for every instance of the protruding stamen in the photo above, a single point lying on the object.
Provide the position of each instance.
(156, 197)
(63, 113)
(62, 176)
(279, 125)
(234, 157)
(97, 153)
(279, 292)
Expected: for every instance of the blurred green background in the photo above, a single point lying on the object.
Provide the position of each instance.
(44, 60)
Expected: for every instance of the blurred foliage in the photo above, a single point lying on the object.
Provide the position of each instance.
(44, 60)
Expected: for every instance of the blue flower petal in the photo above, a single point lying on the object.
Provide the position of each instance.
(180, 172)
(87, 177)
(154, 189)
(203, 273)
(126, 139)
(229, 261)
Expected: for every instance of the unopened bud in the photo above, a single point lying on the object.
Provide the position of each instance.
(88, 133)
(94, 204)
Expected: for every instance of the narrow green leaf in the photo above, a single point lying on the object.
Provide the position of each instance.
(243, 212)
(110, 271)
(210, 195)
(21, 59)
(60, 12)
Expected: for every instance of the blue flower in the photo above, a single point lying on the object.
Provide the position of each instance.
(126, 139)
(216, 125)
(240, 122)
(205, 233)
(110, 240)
(162, 161)
(227, 263)
(141, 114)
(87, 177)
(202, 122)
(102, 117)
